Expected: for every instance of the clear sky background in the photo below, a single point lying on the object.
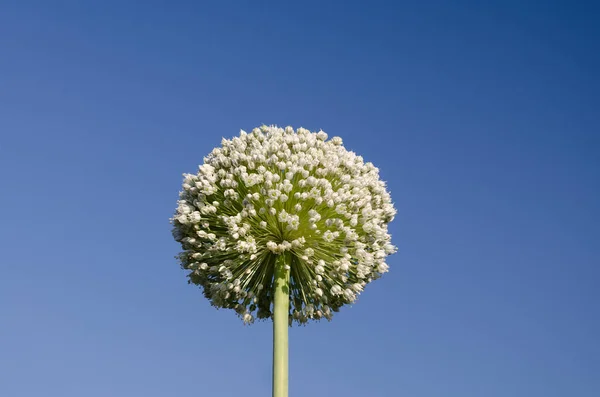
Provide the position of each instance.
(482, 116)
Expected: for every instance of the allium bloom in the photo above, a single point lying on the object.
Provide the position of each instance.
(278, 192)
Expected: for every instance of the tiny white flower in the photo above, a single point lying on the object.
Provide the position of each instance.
(336, 140)
(248, 318)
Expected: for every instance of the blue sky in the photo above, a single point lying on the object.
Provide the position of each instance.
(483, 118)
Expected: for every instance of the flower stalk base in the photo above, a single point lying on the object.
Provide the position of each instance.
(281, 307)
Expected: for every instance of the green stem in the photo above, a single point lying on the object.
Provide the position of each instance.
(281, 309)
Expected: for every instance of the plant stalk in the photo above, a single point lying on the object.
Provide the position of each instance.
(281, 307)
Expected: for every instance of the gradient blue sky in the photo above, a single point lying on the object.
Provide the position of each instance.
(483, 118)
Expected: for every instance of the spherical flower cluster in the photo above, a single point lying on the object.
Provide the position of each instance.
(279, 194)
